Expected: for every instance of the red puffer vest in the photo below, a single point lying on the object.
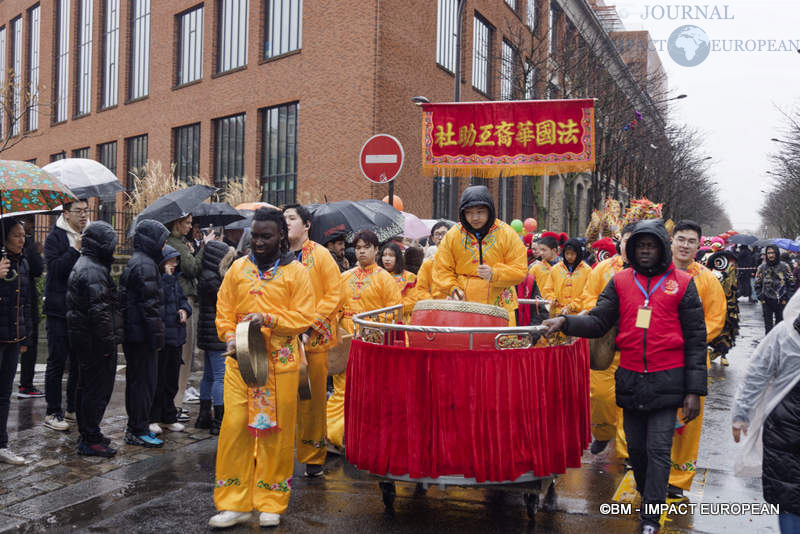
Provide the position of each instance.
(659, 347)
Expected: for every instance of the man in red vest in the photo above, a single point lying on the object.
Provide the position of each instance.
(662, 344)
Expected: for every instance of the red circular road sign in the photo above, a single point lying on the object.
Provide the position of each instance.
(381, 158)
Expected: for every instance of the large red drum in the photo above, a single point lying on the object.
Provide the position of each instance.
(455, 313)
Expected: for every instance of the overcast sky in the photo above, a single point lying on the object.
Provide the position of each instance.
(732, 96)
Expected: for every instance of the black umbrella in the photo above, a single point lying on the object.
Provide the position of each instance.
(762, 243)
(215, 214)
(349, 217)
(743, 239)
(244, 222)
(174, 206)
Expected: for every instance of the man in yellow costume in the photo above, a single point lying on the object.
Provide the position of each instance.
(481, 259)
(685, 446)
(605, 414)
(566, 280)
(363, 288)
(255, 453)
(325, 278)
(548, 250)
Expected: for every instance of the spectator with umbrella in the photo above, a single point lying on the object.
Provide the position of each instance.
(33, 254)
(336, 247)
(774, 286)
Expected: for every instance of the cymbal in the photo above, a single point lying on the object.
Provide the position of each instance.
(251, 352)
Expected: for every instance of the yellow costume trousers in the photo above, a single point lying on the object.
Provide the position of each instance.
(685, 448)
(255, 472)
(311, 414)
(336, 411)
(603, 401)
(622, 443)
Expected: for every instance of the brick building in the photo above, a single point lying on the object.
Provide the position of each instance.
(282, 90)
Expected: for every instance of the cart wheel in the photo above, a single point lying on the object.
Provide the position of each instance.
(531, 504)
(388, 491)
(549, 502)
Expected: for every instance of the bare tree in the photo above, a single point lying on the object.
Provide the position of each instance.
(18, 105)
(781, 208)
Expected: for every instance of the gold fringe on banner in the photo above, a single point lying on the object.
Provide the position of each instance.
(498, 171)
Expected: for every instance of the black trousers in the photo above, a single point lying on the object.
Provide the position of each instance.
(95, 386)
(58, 354)
(169, 368)
(773, 313)
(27, 360)
(649, 436)
(141, 375)
(8, 368)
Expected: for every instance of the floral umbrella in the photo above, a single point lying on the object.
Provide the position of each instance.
(26, 187)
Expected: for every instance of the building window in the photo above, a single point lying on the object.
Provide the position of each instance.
(530, 81)
(190, 58)
(446, 33)
(110, 54)
(505, 196)
(228, 148)
(232, 49)
(478, 181)
(445, 191)
(480, 55)
(34, 19)
(512, 4)
(107, 155)
(186, 153)
(85, 58)
(279, 153)
(16, 66)
(58, 156)
(528, 200)
(62, 69)
(81, 153)
(136, 149)
(284, 27)
(2, 78)
(507, 72)
(530, 14)
(552, 37)
(140, 49)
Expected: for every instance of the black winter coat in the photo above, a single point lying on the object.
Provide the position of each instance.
(35, 270)
(94, 319)
(217, 256)
(174, 300)
(781, 466)
(659, 389)
(60, 259)
(141, 294)
(15, 306)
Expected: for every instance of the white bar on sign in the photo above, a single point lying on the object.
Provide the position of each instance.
(380, 158)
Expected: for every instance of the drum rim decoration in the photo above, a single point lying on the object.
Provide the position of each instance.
(462, 306)
(251, 353)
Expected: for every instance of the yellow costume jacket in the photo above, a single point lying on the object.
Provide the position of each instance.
(457, 260)
(366, 289)
(325, 279)
(598, 280)
(423, 289)
(565, 288)
(715, 306)
(406, 282)
(244, 291)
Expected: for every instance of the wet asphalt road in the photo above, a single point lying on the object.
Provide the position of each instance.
(172, 492)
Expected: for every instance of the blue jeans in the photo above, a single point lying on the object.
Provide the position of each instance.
(789, 523)
(213, 383)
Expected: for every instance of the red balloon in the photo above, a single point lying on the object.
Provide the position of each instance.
(530, 225)
(397, 202)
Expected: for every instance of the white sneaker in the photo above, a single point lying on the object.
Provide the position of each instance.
(56, 422)
(174, 427)
(267, 519)
(155, 429)
(70, 417)
(8, 457)
(193, 391)
(228, 519)
(190, 398)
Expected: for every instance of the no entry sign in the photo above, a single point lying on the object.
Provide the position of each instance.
(381, 158)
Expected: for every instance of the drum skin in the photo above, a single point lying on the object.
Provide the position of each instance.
(452, 313)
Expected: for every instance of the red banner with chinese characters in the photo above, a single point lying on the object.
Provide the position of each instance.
(492, 139)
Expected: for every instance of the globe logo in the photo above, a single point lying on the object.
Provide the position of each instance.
(688, 46)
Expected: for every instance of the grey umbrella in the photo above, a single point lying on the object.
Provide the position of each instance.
(215, 214)
(174, 206)
(743, 239)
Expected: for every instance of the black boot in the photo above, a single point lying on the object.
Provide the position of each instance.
(204, 417)
(216, 423)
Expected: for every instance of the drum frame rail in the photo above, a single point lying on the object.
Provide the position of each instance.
(364, 325)
(534, 489)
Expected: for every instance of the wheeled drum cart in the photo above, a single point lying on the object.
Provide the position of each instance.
(513, 415)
